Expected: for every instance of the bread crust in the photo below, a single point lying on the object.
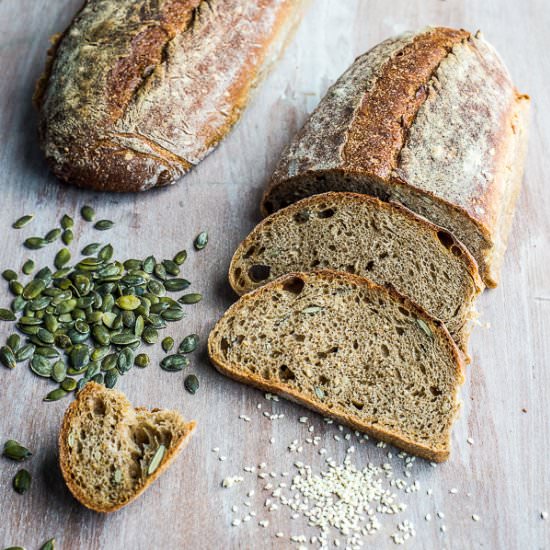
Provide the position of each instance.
(91, 389)
(427, 123)
(294, 395)
(136, 93)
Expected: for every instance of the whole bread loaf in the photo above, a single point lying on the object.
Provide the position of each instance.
(135, 93)
(360, 234)
(350, 349)
(430, 119)
(110, 453)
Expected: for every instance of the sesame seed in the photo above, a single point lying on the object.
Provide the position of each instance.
(443, 529)
(263, 523)
(470, 441)
(453, 491)
(544, 515)
(236, 522)
(428, 517)
(216, 450)
(303, 419)
(279, 534)
(230, 481)
(440, 515)
(222, 458)
(475, 517)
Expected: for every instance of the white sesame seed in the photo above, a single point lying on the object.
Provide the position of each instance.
(443, 529)
(453, 491)
(279, 534)
(222, 458)
(311, 429)
(236, 522)
(216, 450)
(234, 508)
(470, 441)
(247, 518)
(428, 517)
(440, 515)
(272, 440)
(263, 523)
(475, 517)
(544, 515)
(303, 419)
(230, 481)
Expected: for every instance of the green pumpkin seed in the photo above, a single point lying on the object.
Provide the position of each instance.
(35, 243)
(156, 460)
(106, 253)
(320, 394)
(18, 304)
(191, 298)
(13, 342)
(171, 267)
(48, 545)
(9, 275)
(156, 288)
(149, 264)
(150, 335)
(311, 310)
(62, 341)
(62, 258)
(24, 353)
(98, 354)
(191, 383)
(132, 263)
(98, 378)
(68, 384)
(189, 343)
(128, 302)
(40, 303)
(33, 289)
(124, 339)
(101, 335)
(173, 363)
(45, 274)
(55, 395)
(81, 383)
(174, 285)
(22, 221)
(28, 267)
(22, 481)
(46, 351)
(16, 288)
(160, 272)
(125, 360)
(142, 360)
(87, 213)
(15, 451)
(52, 235)
(180, 257)
(173, 314)
(67, 236)
(7, 357)
(201, 240)
(90, 249)
(79, 356)
(66, 221)
(167, 344)
(45, 336)
(424, 327)
(111, 378)
(41, 366)
(6, 315)
(59, 372)
(103, 225)
(30, 321)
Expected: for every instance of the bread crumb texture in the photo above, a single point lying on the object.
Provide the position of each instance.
(107, 447)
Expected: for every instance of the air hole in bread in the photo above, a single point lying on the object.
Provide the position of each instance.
(238, 273)
(259, 272)
(369, 265)
(315, 263)
(268, 207)
(299, 337)
(350, 268)
(400, 331)
(435, 391)
(456, 251)
(224, 345)
(294, 285)
(285, 374)
(99, 407)
(403, 311)
(357, 405)
(302, 216)
(383, 255)
(323, 380)
(328, 213)
(445, 238)
(250, 252)
(385, 350)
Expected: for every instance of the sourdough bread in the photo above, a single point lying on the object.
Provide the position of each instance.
(360, 234)
(107, 448)
(136, 93)
(430, 119)
(349, 349)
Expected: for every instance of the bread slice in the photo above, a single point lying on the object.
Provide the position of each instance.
(363, 235)
(106, 447)
(350, 349)
(430, 119)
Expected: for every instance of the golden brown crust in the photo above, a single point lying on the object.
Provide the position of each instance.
(91, 389)
(135, 94)
(437, 327)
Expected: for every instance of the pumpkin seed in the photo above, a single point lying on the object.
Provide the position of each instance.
(66, 221)
(160, 272)
(9, 275)
(13, 342)
(180, 257)
(149, 264)
(56, 394)
(111, 378)
(150, 335)
(6, 315)
(16, 287)
(156, 460)
(174, 363)
(311, 310)
(124, 339)
(319, 392)
(59, 371)
(106, 253)
(18, 304)
(109, 362)
(88, 213)
(167, 344)
(40, 303)
(424, 327)
(90, 249)
(201, 240)
(48, 545)
(98, 378)
(191, 298)
(68, 384)
(79, 356)
(191, 384)
(7, 357)
(132, 263)
(62, 258)
(171, 267)
(46, 351)
(173, 314)
(28, 267)
(24, 353)
(15, 451)
(34, 243)
(81, 383)
(174, 285)
(189, 343)
(128, 302)
(22, 481)
(22, 221)
(142, 360)
(45, 335)
(125, 360)
(52, 235)
(41, 366)
(33, 289)
(67, 236)
(103, 225)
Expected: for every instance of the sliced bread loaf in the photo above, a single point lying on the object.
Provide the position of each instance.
(363, 235)
(349, 349)
(110, 453)
(430, 119)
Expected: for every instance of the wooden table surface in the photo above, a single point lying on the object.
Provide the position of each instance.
(503, 477)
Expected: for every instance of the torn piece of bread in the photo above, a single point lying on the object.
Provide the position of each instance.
(109, 452)
(350, 349)
(362, 235)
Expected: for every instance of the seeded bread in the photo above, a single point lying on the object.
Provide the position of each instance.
(350, 349)
(106, 447)
(430, 119)
(363, 235)
(135, 92)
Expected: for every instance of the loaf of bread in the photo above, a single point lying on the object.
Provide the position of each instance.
(349, 349)
(360, 234)
(110, 453)
(430, 119)
(135, 93)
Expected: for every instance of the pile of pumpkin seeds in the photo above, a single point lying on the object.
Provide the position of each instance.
(89, 320)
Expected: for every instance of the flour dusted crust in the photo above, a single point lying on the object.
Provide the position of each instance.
(136, 93)
(435, 123)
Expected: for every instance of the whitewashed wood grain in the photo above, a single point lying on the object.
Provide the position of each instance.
(503, 477)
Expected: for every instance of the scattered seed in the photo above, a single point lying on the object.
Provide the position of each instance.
(180, 257)
(59, 372)
(41, 366)
(191, 384)
(90, 249)
(174, 285)
(103, 225)
(53, 235)
(69, 384)
(9, 275)
(67, 222)
(6, 315)
(28, 267)
(48, 545)
(201, 240)
(62, 258)
(167, 344)
(156, 460)
(189, 343)
(106, 253)
(22, 221)
(34, 243)
(16, 287)
(128, 303)
(111, 378)
(319, 392)
(174, 363)
(424, 327)
(150, 335)
(124, 339)
(191, 298)
(15, 451)
(88, 213)
(57, 394)
(22, 481)
(25, 352)
(7, 357)
(33, 289)
(67, 236)
(13, 342)
(142, 360)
